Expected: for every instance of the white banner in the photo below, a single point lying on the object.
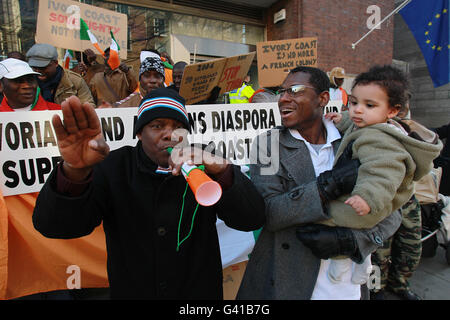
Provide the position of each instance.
(333, 106)
(29, 151)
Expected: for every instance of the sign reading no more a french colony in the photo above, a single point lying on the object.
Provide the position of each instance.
(58, 24)
(277, 58)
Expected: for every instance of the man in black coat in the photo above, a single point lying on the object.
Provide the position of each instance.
(160, 243)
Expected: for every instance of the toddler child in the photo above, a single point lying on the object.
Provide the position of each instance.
(393, 153)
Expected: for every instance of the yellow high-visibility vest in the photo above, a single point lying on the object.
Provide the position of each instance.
(242, 94)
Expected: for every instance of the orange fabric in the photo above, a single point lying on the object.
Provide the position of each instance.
(344, 96)
(98, 49)
(3, 246)
(257, 91)
(168, 77)
(31, 263)
(114, 60)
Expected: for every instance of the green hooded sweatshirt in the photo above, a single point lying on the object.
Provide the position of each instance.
(390, 163)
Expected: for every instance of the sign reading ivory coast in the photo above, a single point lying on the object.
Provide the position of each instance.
(29, 151)
(277, 58)
(58, 24)
(227, 73)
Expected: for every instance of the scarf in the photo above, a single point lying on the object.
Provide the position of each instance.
(147, 165)
(48, 88)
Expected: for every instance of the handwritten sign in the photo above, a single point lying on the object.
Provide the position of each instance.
(234, 72)
(228, 73)
(277, 58)
(58, 24)
(199, 79)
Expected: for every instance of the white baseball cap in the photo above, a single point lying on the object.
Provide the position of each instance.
(14, 68)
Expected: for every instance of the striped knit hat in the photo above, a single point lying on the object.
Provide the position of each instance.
(161, 103)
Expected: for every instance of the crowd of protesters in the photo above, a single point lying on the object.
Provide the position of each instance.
(334, 200)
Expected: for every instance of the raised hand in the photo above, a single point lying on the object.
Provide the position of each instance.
(80, 139)
(90, 55)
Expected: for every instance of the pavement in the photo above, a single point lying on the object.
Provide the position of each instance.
(431, 280)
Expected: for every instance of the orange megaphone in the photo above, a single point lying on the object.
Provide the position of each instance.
(206, 191)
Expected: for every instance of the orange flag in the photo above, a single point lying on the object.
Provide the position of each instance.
(31, 263)
(3, 246)
(114, 60)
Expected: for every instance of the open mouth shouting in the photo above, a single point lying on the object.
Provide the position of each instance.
(286, 112)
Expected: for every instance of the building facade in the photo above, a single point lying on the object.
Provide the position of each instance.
(198, 30)
(190, 31)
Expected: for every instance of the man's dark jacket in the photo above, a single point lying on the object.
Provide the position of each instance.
(444, 133)
(140, 210)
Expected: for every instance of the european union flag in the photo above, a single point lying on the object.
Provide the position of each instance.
(429, 22)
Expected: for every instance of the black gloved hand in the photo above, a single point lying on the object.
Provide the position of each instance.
(327, 242)
(214, 95)
(341, 179)
(441, 161)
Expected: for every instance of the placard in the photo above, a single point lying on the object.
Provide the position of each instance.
(234, 72)
(199, 79)
(228, 73)
(58, 25)
(277, 58)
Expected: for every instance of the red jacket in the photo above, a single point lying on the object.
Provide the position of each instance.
(40, 105)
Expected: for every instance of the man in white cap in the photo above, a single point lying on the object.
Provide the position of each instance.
(19, 84)
(56, 83)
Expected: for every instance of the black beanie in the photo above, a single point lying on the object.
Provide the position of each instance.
(161, 103)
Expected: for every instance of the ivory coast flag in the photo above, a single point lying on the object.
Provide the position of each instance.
(86, 34)
(67, 58)
(114, 60)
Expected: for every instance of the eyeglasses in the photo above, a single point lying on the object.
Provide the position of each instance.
(292, 91)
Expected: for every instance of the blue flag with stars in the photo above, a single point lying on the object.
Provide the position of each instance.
(428, 20)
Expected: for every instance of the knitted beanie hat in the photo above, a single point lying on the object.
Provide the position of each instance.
(151, 63)
(161, 103)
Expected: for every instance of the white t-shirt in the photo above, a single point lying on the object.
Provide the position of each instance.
(324, 288)
(28, 108)
(335, 94)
